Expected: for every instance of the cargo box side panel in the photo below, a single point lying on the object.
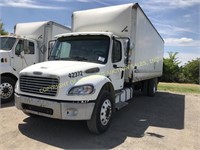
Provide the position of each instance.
(115, 19)
(148, 50)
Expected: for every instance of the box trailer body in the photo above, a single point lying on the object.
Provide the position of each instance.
(27, 46)
(95, 70)
(42, 32)
(129, 21)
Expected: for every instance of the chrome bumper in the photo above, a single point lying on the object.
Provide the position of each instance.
(54, 109)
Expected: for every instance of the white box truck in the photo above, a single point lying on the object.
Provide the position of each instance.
(94, 70)
(27, 46)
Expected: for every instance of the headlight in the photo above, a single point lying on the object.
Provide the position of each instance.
(81, 90)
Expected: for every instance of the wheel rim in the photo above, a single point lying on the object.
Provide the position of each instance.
(154, 89)
(6, 90)
(106, 112)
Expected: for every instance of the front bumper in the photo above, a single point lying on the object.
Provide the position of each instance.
(54, 109)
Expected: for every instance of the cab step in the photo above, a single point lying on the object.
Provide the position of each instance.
(120, 105)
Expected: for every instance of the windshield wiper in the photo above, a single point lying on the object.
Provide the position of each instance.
(60, 58)
(79, 58)
(66, 58)
(54, 58)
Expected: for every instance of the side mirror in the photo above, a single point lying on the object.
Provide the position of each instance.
(50, 46)
(132, 46)
(128, 44)
(26, 47)
(18, 53)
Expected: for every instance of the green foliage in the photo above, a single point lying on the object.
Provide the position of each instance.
(171, 68)
(2, 31)
(173, 73)
(191, 71)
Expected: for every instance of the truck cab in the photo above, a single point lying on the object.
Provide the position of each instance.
(16, 53)
(82, 69)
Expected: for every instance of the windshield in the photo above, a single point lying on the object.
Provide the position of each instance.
(6, 43)
(81, 48)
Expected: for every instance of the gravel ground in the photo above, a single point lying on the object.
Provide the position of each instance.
(167, 121)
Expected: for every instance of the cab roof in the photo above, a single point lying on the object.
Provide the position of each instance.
(84, 33)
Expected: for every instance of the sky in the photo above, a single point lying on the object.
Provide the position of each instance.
(178, 21)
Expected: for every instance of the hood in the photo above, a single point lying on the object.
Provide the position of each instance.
(60, 68)
(4, 51)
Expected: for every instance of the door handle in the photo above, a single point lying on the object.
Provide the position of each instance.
(115, 66)
(122, 74)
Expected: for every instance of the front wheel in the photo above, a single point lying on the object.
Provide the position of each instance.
(102, 113)
(7, 89)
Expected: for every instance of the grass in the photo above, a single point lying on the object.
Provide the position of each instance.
(179, 87)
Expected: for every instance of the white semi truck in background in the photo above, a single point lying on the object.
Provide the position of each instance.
(27, 46)
(94, 70)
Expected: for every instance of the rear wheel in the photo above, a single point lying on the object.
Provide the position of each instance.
(7, 89)
(102, 113)
(152, 87)
(149, 87)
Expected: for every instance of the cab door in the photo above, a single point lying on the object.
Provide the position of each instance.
(29, 53)
(17, 57)
(117, 71)
(25, 55)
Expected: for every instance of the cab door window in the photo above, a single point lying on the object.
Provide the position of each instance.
(19, 48)
(116, 52)
(30, 48)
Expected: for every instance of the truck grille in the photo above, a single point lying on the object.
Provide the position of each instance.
(38, 109)
(39, 85)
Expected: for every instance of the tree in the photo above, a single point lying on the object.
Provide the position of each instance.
(2, 31)
(171, 68)
(191, 71)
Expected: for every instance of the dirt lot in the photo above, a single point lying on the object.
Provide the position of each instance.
(167, 121)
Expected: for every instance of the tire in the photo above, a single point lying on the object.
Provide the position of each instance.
(7, 87)
(152, 87)
(145, 87)
(102, 113)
